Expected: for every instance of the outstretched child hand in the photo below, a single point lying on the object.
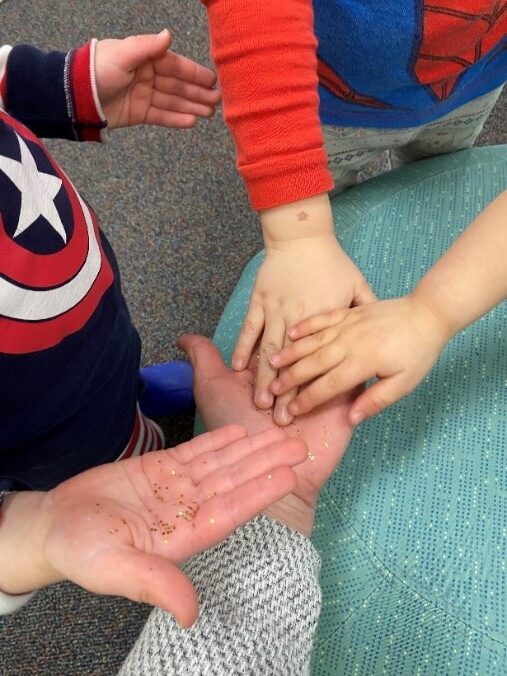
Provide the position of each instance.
(140, 82)
(123, 528)
(397, 341)
(305, 272)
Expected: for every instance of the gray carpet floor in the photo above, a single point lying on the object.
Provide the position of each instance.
(177, 215)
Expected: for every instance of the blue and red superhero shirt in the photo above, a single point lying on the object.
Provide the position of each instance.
(402, 64)
(377, 63)
(69, 354)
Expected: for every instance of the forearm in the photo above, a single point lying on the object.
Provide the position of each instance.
(21, 537)
(260, 602)
(265, 55)
(471, 277)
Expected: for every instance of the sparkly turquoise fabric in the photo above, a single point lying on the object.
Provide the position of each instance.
(412, 526)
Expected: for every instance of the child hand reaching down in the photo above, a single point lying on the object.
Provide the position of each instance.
(305, 271)
(288, 75)
(399, 340)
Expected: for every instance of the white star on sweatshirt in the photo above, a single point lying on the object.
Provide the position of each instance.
(38, 190)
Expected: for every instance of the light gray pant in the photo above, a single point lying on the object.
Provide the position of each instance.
(358, 153)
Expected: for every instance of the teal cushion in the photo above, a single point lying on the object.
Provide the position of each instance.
(412, 526)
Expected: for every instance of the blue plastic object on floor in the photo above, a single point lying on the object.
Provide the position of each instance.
(167, 388)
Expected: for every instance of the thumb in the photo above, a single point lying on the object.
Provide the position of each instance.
(376, 398)
(136, 50)
(204, 356)
(364, 295)
(148, 578)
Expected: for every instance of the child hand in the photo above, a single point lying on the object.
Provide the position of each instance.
(140, 82)
(397, 341)
(297, 279)
(124, 528)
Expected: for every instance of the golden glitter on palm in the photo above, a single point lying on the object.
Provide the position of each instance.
(123, 528)
(224, 397)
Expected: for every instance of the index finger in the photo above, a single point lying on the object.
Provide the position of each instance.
(207, 442)
(303, 348)
(317, 323)
(175, 65)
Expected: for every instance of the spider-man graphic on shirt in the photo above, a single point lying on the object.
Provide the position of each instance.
(383, 58)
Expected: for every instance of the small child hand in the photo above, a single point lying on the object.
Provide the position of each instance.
(397, 341)
(296, 280)
(139, 81)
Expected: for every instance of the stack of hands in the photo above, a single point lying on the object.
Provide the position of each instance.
(320, 334)
(318, 327)
(125, 528)
(323, 333)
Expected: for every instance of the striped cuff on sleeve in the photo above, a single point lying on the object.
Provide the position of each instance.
(5, 50)
(83, 102)
(54, 94)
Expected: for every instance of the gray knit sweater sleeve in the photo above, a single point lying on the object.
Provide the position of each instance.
(260, 602)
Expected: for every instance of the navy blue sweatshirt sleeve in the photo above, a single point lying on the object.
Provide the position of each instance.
(54, 94)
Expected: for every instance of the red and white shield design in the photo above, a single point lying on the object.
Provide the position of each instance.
(45, 297)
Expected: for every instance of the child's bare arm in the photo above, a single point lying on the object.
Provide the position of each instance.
(398, 340)
(471, 277)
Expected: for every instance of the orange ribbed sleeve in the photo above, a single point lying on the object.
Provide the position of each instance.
(264, 52)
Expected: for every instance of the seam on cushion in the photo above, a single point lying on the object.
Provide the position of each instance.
(321, 644)
(450, 610)
(373, 592)
(496, 648)
(404, 188)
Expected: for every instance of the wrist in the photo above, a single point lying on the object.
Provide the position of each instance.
(24, 524)
(295, 513)
(439, 323)
(310, 217)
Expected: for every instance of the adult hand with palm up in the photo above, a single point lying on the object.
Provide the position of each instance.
(123, 528)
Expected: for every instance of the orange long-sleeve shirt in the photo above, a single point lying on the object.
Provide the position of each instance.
(265, 55)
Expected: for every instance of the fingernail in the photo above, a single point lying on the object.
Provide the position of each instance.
(292, 333)
(237, 364)
(163, 33)
(264, 398)
(274, 359)
(293, 408)
(357, 417)
(283, 415)
(276, 386)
